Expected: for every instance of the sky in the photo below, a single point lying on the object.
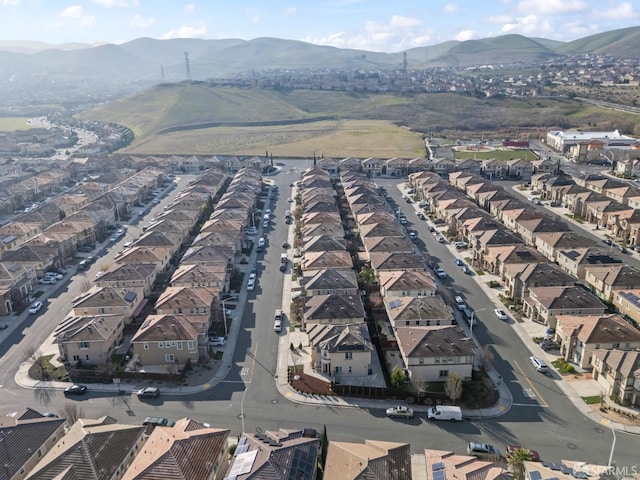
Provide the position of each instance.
(374, 25)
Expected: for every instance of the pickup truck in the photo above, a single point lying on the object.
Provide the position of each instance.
(400, 412)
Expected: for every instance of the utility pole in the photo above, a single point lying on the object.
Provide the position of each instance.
(186, 63)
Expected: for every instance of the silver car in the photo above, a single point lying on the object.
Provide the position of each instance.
(539, 364)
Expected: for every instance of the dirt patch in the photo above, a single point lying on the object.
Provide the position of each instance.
(615, 417)
(309, 384)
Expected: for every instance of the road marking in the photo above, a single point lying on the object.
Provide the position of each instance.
(542, 401)
(537, 405)
(529, 393)
(244, 371)
(253, 366)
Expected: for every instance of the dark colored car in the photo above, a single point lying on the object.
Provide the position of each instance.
(159, 422)
(148, 392)
(76, 389)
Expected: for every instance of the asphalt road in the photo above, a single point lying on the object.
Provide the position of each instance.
(547, 423)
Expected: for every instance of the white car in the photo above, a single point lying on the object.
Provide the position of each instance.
(216, 341)
(539, 364)
(252, 276)
(441, 273)
(501, 314)
(35, 307)
(251, 284)
(400, 412)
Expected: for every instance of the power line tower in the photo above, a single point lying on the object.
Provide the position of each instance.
(404, 64)
(162, 73)
(186, 63)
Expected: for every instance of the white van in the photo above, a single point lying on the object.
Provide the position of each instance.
(460, 302)
(445, 412)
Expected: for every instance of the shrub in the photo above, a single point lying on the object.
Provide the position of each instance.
(569, 369)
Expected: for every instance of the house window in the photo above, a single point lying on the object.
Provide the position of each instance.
(145, 345)
(190, 345)
(83, 345)
(86, 357)
(350, 369)
(348, 355)
(616, 345)
(338, 369)
(406, 323)
(421, 361)
(76, 358)
(443, 373)
(160, 344)
(169, 358)
(597, 345)
(417, 322)
(179, 345)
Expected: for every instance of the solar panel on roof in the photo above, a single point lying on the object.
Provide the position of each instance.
(535, 475)
(579, 474)
(439, 475)
(437, 466)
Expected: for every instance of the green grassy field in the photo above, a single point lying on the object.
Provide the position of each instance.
(369, 124)
(11, 124)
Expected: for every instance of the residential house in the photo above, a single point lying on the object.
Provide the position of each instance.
(334, 309)
(31, 257)
(430, 354)
(618, 373)
(418, 164)
(411, 283)
(545, 304)
(89, 340)
(129, 276)
(396, 261)
(92, 450)
(396, 167)
(372, 460)
(326, 282)
(335, 230)
(196, 275)
(418, 311)
(627, 302)
(470, 166)
(187, 451)
(520, 169)
(520, 277)
(494, 168)
(496, 259)
(453, 465)
(324, 243)
(442, 166)
(334, 260)
(27, 436)
(576, 260)
(16, 284)
(373, 167)
(160, 257)
(549, 244)
(580, 336)
(626, 226)
(209, 255)
(603, 280)
(342, 352)
(108, 300)
(165, 344)
(276, 454)
(388, 244)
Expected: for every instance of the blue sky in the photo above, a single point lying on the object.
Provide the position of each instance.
(377, 25)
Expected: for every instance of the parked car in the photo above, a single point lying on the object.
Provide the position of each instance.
(35, 307)
(539, 364)
(501, 314)
(286, 245)
(56, 275)
(47, 281)
(479, 449)
(217, 341)
(460, 245)
(440, 238)
(251, 284)
(441, 273)
(549, 345)
(75, 389)
(158, 422)
(466, 269)
(608, 241)
(459, 262)
(432, 228)
(400, 412)
(148, 392)
(83, 265)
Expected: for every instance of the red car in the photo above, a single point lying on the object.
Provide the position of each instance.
(535, 457)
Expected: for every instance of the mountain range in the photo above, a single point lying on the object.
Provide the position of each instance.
(146, 61)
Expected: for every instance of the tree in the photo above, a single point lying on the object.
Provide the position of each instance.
(33, 356)
(516, 462)
(485, 358)
(72, 412)
(397, 378)
(367, 277)
(453, 387)
(421, 389)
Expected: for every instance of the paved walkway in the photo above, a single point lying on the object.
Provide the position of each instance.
(525, 331)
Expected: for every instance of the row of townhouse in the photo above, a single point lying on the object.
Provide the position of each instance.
(49, 236)
(559, 277)
(40, 447)
(176, 332)
(373, 167)
(94, 329)
(430, 344)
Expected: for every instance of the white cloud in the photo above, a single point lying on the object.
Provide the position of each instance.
(139, 21)
(117, 3)
(530, 25)
(185, 32)
(398, 21)
(10, 3)
(551, 7)
(189, 8)
(291, 10)
(87, 21)
(500, 19)
(465, 35)
(72, 11)
(451, 8)
(622, 11)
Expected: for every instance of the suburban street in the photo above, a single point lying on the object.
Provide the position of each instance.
(541, 418)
